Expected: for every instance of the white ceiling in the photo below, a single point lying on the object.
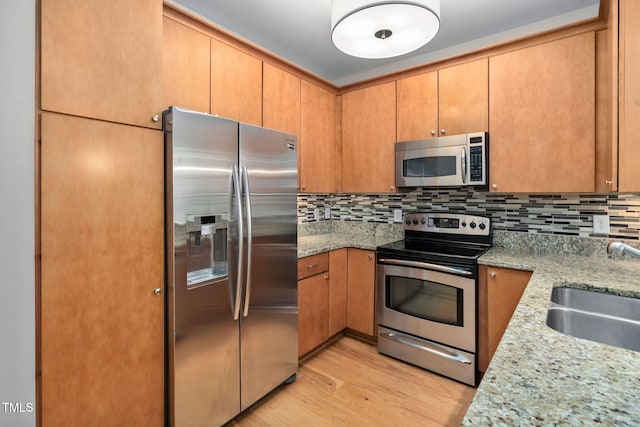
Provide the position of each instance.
(299, 31)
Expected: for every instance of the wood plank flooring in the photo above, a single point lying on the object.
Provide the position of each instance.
(350, 384)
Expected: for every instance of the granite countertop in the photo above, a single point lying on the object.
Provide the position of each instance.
(539, 376)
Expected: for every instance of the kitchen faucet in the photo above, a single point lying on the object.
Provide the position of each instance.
(618, 248)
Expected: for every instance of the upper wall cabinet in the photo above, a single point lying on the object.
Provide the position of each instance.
(368, 136)
(280, 100)
(629, 146)
(185, 66)
(108, 68)
(450, 101)
(542, 117)
(236, 84)
(317, 143)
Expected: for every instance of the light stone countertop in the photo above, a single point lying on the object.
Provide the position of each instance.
(539, 376)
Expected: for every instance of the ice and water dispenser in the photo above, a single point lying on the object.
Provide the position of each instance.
(206, 249)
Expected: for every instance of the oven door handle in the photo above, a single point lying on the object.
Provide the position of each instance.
(431, 348)
(419, 264)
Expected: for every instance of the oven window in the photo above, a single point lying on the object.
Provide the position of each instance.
(426, 167)
(425, 299)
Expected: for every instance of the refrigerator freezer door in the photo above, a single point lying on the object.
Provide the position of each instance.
(203, 339)
(269, 331)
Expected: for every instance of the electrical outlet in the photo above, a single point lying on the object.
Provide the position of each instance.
(327, 212)
(601, 224)
(316, 214)
(397, 215)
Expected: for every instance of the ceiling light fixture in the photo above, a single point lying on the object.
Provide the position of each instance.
(383, 29)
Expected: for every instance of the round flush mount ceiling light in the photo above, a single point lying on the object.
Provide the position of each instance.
(383, 29)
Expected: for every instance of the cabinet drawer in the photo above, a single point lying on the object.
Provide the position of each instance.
(312, 265)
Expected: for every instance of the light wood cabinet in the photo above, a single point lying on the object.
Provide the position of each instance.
(368, 137)
(102, 60)
(542, 117)
(317, 143)
(185, 66)
(499, 291)
(337, 291)
(102, 325)
(361, 291)
(313, 312)
(236, 84)
(280, 100)
(449, 101)
(629, 143)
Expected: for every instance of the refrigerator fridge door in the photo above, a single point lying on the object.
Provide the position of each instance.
(269, 322)
(203, 337)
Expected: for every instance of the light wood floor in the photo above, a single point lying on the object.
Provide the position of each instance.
(350, 384)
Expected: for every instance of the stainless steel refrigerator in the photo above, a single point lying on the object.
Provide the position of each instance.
(231, 232)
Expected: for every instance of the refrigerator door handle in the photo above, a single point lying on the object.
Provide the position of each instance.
(237, 191)
(247, 206)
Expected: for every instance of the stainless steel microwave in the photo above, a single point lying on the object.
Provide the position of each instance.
(448, 161)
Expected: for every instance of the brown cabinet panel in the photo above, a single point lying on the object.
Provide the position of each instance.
(185, 66)
(317, 144)
(102, 59)
(102, 327)
(313, 312)
(280, 100)
(368, 137)
(417, 106)
(312, 265)
(463, 97)
(542, 121)
(236, 84)
(337, 291)
(500, 290)
(629, 173)
(361, 291)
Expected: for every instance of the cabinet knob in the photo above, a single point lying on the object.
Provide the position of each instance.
(493, 274)
(326, 277)
(442, 131)
(392, 188)
(433, 133)
(157, 291)
(303, 188)
(494, 186)
(370, 257)
(155, 118)
(608, 183)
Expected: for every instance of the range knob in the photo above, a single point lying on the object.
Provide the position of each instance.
(472, 225)
(407, 221)
(482, 226)
(415, 221)
(464, 224)
(423, 220)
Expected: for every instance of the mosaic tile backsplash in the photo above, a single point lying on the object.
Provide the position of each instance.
(558, 214)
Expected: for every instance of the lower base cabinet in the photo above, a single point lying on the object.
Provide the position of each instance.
(499, 292)
(361, 291)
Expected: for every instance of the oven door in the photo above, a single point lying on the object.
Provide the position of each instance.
(430, 304)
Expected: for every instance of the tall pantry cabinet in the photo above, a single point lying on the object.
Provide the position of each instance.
(100, 272)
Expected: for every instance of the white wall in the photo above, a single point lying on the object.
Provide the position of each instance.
(17, 270)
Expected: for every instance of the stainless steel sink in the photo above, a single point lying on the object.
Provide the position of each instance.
(605, 318)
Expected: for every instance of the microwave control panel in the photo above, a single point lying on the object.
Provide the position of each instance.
(477, 159)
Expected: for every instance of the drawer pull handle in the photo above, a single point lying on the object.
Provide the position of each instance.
(310, 266)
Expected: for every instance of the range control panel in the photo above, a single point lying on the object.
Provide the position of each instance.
(447, 223)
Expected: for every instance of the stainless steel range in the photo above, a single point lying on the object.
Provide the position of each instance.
(427, 293)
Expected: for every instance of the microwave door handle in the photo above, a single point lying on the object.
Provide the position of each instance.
(463, 164)
(247, 206)
(237, 192)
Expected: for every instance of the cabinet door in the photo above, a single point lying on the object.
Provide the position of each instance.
(102, 59)
(185, 66)
(361, 291)
(500, 290)
(417, 106)
(629, 173)
(313, 312)
(102, 325)
(463, 98)
(368, 137)
(337, 291)
(281, 100)
(542, 117)
(236, 84)
(317, 144)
